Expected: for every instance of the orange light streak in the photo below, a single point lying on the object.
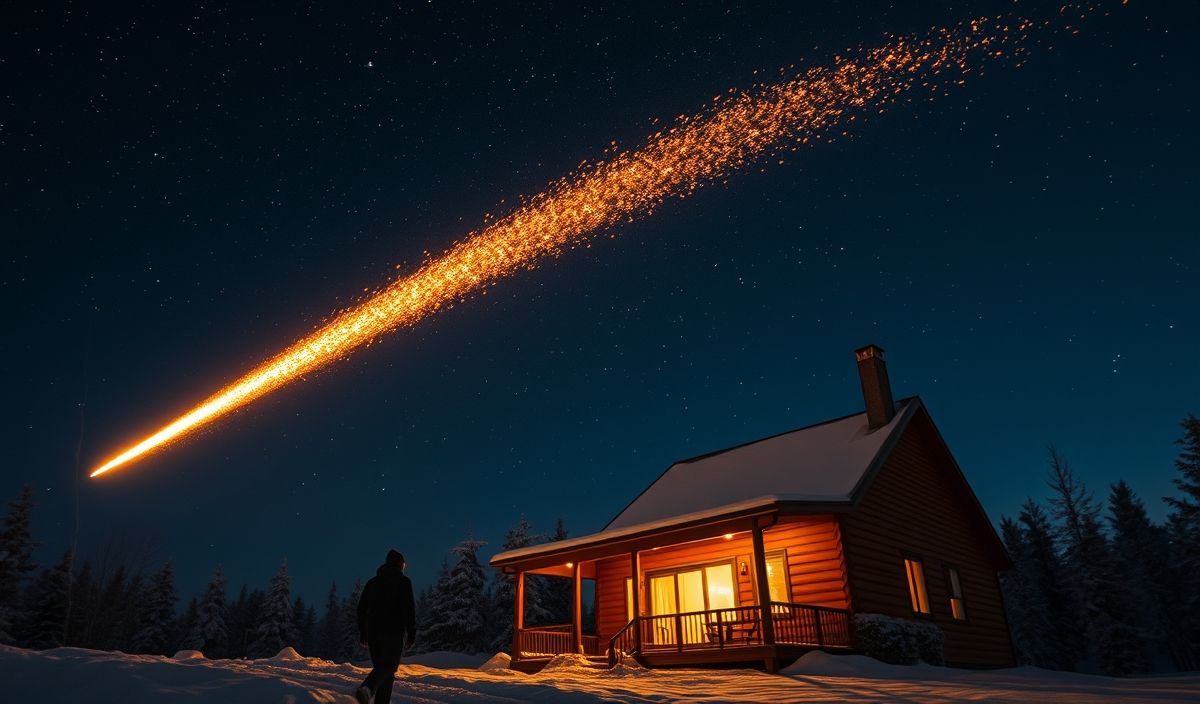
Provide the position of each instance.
(736, 130)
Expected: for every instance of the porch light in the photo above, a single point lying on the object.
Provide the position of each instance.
(729, 536)
(743, 570)
(570, 565)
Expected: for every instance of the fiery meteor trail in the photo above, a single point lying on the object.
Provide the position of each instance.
(736, 130)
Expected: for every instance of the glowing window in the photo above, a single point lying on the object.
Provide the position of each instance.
(916, 585)
(958, 608)
(778, 584)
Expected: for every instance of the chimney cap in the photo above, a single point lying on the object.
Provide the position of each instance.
(869, 351)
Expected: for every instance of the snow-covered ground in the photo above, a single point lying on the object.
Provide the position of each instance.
(72, 675)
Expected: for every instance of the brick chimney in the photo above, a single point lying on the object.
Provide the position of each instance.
(877, 392)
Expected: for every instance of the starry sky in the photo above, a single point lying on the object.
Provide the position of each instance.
(189, 187)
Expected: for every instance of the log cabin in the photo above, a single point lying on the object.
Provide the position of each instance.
(763, 551)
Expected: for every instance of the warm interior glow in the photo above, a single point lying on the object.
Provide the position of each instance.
(916, 585)
(738, 129)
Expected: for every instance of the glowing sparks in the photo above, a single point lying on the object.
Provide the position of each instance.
(738, 129)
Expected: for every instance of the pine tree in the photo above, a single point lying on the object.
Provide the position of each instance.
(329, 629)
(105, 622)
(558, 593)
(45, 613)
(349, 646)
(83, 607)
(1058, 646)
(434, 614)
(16, 560)
(210, 633)
(274, 631)
(461, 628)
(127, 614)
(243, 617)
(1141, 559)
(156, 632)
(305, 621)
(504, 593)
(188, 629)
(1114, 640)
(1184, 531)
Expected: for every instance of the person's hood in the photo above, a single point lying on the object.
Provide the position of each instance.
(389, 572)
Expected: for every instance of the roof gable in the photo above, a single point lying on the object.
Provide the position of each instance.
(823, 463)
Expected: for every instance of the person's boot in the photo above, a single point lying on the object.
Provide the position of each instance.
(362, 695)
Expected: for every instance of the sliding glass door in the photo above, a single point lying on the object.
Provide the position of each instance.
(687, 591)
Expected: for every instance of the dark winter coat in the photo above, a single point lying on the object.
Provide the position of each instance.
(386, 610)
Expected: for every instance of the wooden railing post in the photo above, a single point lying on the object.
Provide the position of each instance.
(820, 632)
(518, 615)
(764, 587)
(636, 594)
(577, 607)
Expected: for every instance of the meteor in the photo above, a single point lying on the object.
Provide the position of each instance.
(738, 129)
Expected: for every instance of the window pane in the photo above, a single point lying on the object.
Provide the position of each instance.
(720, 587)
(777, 579)
(916, 586)
(957, 608)
(662, 595)
(691, 592)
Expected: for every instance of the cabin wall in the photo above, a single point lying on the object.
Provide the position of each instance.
(816, 567)
(916, 506)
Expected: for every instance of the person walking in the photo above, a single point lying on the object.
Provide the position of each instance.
(387, 624)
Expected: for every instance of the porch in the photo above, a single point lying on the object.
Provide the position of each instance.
(727, 594)
(740, 634)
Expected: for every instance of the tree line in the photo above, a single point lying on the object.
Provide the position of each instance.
(124, 602)
(1099, 585)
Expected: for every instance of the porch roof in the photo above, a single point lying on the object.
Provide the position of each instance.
(813, 469)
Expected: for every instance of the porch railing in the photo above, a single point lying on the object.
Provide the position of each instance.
(794, 624)
(554, 640)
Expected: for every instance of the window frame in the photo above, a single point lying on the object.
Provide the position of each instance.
(950, 596)
(905, 558)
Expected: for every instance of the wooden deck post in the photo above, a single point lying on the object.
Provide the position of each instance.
(636, 592)
(764, 587)
(577, 606)
(519, 615)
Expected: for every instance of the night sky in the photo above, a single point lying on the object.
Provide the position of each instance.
(188, 188)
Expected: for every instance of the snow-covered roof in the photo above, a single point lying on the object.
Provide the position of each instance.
(819, 463)
(823, 463)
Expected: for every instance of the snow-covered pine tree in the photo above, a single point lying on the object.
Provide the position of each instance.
(434, 614)
(304, 620)
(274, 630)
(16, 560)
(462, 627)
(503, 594)
(349, 647)
(329, 629)
(1184, 530)
(1114, 641)
(156, 634)
(45, 607)
(210, 633)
